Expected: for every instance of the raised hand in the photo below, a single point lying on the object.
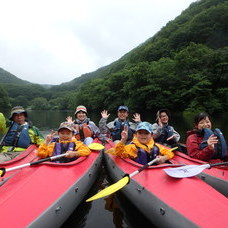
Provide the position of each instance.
(136, 117)
(124, 134)
(160, 122)
(49, 137)
(105, 114)
(171, 137)
(69, 119)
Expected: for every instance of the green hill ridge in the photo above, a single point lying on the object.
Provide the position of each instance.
(183, 66)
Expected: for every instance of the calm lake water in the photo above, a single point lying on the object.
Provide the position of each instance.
(47, 120)
(111, 211)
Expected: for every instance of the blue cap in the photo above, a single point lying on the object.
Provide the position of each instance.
(144, 126)
(123, 107)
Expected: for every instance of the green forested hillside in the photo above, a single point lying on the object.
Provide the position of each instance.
(8, 78)
(184, 66)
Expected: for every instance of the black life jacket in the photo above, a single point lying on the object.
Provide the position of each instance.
(17, 136)
(144, 157)
(119, 126)
(220, 147)
(165, 134)
(61, 148)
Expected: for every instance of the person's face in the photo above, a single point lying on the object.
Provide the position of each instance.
(164, 118)
(81, 115)
(19, 118)
(205, 123)
(122, 114)
(65, 134)
(143, 136)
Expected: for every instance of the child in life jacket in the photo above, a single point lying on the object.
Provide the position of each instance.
(85, 129)
(65, 143)
(142, 149)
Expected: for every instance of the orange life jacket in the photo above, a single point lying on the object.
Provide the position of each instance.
(83, 131)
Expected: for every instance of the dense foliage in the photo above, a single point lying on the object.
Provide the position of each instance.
(183, 67)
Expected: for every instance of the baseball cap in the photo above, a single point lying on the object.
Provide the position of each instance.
(66, 125)
(144, 126)
(123, 107)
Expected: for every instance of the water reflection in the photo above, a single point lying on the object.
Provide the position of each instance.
(113, 211)
(47, 120)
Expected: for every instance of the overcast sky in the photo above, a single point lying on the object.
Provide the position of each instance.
(53, 41)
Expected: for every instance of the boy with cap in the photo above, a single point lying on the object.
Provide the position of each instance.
(85, 129)
(142, 149)
(65, 143)
(19, 134)
(114, 128)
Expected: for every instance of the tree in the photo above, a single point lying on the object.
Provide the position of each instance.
(5, 100)
(40, 103)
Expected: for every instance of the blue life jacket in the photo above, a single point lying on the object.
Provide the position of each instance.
(119, 126)
(61, 148)
(220, 147)
(144, 157)
(165, 134)
(17, 136)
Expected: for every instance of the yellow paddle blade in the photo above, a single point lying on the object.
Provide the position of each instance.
(110, 151)
(110, 189)
(1, 172)
(96, 146)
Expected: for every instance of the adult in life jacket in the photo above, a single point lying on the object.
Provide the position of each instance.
(162, 132)
(142, 148)
(113, 129)
(18, 132)
(64, 143)
(85, 129)
(206, 144)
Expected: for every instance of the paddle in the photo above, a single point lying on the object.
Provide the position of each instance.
(96, 146)
(122, 182)
(4, 170)
(92, 146)
(190, 170)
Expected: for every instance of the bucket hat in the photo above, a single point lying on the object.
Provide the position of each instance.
(17, 110)
(80, 108)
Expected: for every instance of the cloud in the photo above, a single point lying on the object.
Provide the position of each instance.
(51, 42)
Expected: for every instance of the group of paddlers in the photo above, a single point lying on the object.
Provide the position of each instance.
(136, 139)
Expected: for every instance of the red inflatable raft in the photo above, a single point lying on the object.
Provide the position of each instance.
(217, 176)
(44, 195)
(167, 201)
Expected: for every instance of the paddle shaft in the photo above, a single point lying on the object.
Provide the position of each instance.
(36, 162)
(122, 182)
(147, 165)
(217, 164)
(142, 168)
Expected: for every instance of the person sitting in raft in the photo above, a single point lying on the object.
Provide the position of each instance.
(85, 129)
(65, 143)
(206, 144)
(162, 132)
(142, 149)
(18, 132)
(114, 128)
